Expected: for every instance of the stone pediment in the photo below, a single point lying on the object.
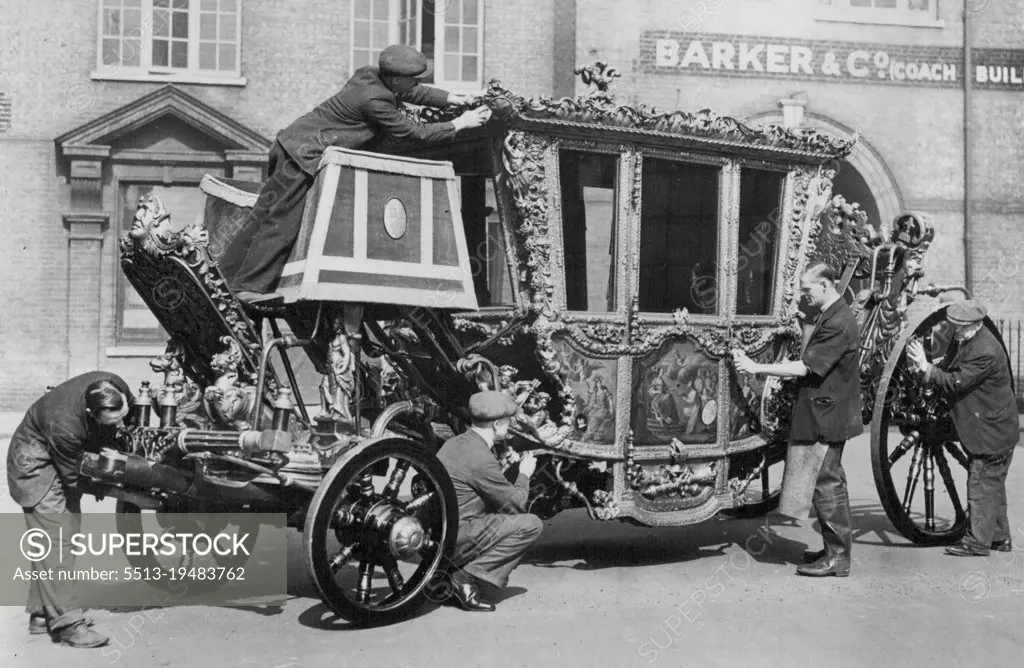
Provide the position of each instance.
(168, 125)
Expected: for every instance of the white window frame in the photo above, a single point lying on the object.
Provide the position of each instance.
(148, 72)
(901, 15)
(440, 81)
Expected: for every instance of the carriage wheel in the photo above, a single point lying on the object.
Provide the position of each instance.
(919, 466)
(381, 531)
(129, 520)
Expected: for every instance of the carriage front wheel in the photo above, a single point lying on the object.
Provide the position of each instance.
(380, 531)
(920, 467)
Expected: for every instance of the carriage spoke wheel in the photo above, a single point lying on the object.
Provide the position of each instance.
(919, 465)
(380, 531)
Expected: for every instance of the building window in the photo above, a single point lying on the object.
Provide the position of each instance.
(448, 32)
(893, 12)
(136, 323)
(170, 40)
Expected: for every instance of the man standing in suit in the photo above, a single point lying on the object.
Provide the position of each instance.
(494, 529)
(366, 108)
(826, 413)
(42, 473)
(985, 415)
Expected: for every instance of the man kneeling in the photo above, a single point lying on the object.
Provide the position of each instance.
(494, 530)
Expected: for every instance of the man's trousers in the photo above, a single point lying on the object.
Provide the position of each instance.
(261, 248)
(490, 547)
(832, 504)
(986, 500)
(59, 508)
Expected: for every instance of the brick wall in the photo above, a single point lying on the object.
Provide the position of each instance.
(295, 53)
(916, 129)
(33, 327)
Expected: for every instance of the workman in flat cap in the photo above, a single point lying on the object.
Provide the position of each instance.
(365, 111)
(494, 529)
(977, 380)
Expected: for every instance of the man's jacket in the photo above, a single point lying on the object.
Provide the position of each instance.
(978, 382)
(827, 407)
(53, 436)
(365, 109)
(480, 486)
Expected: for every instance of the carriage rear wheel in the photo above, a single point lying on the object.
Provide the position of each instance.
(380, 531)
(920, 467)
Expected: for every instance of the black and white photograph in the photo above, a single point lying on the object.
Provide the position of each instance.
(505, 333)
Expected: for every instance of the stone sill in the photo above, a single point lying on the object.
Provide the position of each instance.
(170, 77)
(876, 17)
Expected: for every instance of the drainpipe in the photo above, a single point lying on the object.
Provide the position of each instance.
(968, 152)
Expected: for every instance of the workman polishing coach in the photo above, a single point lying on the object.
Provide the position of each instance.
(366, 109)
(977, 381)
(45, 452)
(494, 528)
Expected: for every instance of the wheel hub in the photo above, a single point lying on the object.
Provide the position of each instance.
(406, 538)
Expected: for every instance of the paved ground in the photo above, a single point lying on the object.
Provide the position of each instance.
(611, 595)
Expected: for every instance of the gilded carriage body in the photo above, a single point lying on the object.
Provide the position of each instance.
(596, 261)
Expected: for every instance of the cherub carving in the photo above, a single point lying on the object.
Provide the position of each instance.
(229, 402)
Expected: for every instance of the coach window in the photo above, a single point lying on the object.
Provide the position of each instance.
(760, 214)
(679, 237)
(587, 182)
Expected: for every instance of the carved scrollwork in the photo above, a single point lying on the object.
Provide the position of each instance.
(675, 479)
(158, 260)
(229, 400)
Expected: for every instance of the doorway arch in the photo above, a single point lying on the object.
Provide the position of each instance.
(863, 177)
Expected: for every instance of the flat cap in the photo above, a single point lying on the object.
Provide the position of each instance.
(491, 405)
(966, 312)
(403, 60)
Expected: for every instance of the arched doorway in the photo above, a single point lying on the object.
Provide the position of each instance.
(863, 176)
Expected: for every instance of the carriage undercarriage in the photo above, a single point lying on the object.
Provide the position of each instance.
(625, 387)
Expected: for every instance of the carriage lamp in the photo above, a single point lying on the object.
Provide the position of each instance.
(168, 408)
(143, 405)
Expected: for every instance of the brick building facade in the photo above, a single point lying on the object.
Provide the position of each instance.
(102, 100)
(894, 70)
(88, 120)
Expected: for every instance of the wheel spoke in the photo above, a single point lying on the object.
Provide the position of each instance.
(905, 445)
(954, 450)
(395, 578)
(950, 483)
(420, 501)
(912, 477)
(340, 559)
(929, 490)
(366, 485)
(365, 581)
(397, 477)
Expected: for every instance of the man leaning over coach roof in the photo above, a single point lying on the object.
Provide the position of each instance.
(366, 108)
(977, 379)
